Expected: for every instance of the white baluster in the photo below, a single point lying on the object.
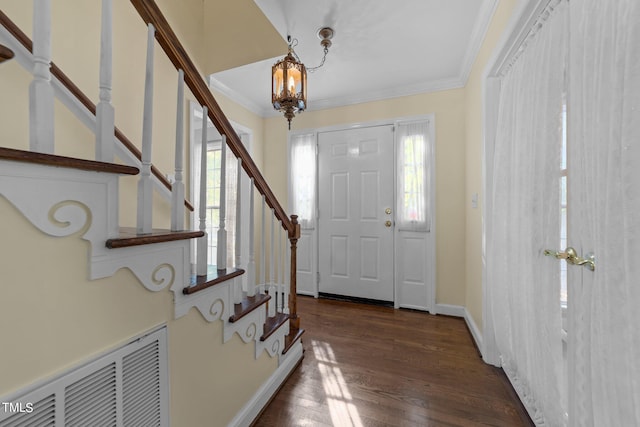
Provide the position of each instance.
(177, 189)
(238, 260)
(251, 265)
(238, 257)
(222, 232)
(145, 188)
(105, 115)
(273, 302)
(40, 90)
(272, 257)
(201, 265)
(263, 246)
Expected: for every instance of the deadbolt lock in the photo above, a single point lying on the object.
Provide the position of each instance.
(387, 211)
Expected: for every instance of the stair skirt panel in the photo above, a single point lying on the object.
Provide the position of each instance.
(157, 266)
(274, 345)
(127, 386)
(214, 303)
(61, 202)
(249, 328)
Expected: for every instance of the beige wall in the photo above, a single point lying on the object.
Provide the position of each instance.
(231, 33)
(474, 161)
(59, 318)
(448, 107)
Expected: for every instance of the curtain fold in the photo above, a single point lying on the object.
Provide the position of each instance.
(604, 126)
(524, 286)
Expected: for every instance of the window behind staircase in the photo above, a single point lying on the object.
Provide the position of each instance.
(214, 156)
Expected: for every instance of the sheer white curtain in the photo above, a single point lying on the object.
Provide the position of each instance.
(604, 152)
(303, 179)
(230, 196)
(523, 286)
(414, 157)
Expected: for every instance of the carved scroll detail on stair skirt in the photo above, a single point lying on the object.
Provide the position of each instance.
(164, 275)
(71, 216)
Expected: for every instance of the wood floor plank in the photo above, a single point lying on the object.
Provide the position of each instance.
(375, 366)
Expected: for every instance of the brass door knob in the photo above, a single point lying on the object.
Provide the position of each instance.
(387, 223)
(572, 257)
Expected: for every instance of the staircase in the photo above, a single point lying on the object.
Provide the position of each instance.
(63, 196)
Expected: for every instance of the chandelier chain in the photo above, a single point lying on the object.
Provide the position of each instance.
(293, 42)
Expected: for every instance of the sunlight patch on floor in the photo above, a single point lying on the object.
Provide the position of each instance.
(343, 411)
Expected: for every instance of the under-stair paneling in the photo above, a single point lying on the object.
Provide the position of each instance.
(65, 319)
(211, 383)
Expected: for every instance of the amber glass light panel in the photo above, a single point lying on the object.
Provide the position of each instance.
(284, 72)
(288, 86)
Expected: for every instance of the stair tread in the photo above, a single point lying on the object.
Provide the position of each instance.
(65, 162)
(247, 305)
(272, 324)
(213, 277)
(5, 53)
(129, 237)
(294, 335)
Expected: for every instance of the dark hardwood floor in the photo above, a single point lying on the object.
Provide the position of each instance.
(374, 366)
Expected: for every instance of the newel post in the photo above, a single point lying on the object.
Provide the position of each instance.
(294, 235)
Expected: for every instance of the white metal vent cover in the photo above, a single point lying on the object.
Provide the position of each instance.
(125, 387)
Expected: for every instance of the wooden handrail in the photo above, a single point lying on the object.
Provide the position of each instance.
(65, 162)
(19, 35)
(176, 53)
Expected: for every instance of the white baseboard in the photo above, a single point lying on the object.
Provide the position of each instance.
(264, 394)
(460, 311)
(450, 310)
(475, 331)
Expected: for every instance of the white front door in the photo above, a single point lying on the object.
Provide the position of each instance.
(355, 223)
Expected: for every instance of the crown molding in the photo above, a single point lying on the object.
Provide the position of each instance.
(235, 96)
(380, 95)
(485, 15)
(323, 104)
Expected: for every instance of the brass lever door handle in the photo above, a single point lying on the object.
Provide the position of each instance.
(571, 256)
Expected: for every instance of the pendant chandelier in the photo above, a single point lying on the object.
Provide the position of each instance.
(289, 78)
